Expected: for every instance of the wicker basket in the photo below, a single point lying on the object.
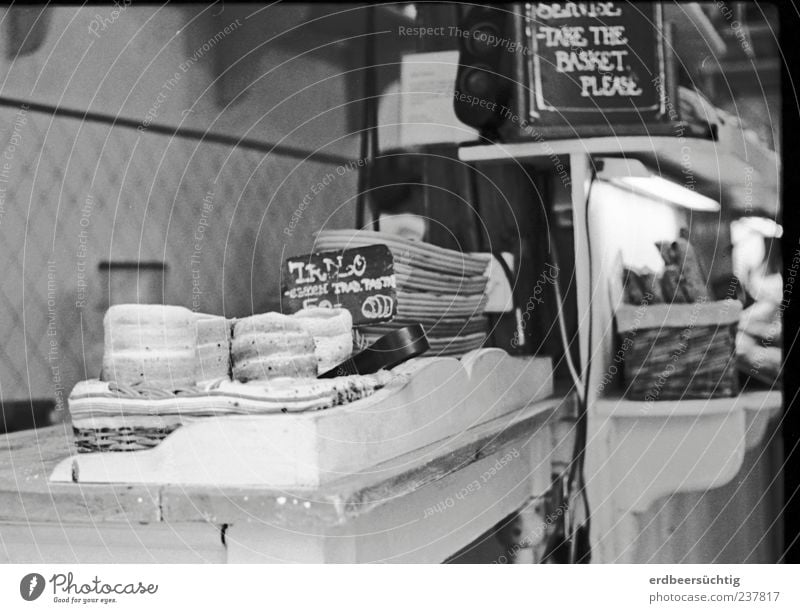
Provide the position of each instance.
(107, 416)
(119, 439)
(676, 351)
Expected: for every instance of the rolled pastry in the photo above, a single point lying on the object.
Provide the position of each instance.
(332, 331)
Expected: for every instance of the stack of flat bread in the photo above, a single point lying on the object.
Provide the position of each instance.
(441, 289)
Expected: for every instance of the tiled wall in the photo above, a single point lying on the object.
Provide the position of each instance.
(76, 193)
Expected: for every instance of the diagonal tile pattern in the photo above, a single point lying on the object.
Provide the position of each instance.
(79, 193)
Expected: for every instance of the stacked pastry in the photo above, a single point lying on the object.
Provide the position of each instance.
(170, 347)
(213, 357)
(302, 345)
(150, 344)
(442, 289)
(332, 331)
(272, 345)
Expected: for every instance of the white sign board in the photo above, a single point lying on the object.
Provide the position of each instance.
(427, 87)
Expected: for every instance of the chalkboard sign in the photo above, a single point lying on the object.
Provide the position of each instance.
(592, 62)
(360, 280)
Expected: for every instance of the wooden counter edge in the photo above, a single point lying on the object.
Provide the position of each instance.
(364, 492)
(333, 504)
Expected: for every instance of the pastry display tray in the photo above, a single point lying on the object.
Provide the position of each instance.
(436, 399)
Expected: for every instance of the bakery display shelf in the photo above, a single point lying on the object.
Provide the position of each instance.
(655, 449)
(27, 494)
(645, 455)
(369, 516)
(436, 399)
(730, 168)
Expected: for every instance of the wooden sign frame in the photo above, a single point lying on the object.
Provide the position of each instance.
(596, 118)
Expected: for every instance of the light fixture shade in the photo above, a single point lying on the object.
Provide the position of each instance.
(670, 192)
(608, 169)
(633, 175)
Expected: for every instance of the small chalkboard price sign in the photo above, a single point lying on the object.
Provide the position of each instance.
(360, 280)
(592, 62)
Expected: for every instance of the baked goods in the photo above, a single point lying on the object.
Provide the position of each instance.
(332, 331)
(150, 344)
(681, 282)
(642, 287)
(165, 366)
(170, 347)
(213, 335)
(671, 285)
(683, 267)
(271, 345)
